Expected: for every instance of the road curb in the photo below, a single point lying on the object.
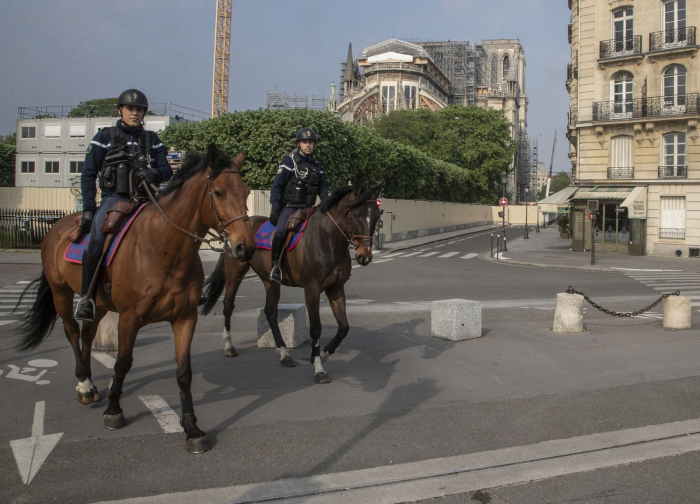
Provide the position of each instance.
(408, 247)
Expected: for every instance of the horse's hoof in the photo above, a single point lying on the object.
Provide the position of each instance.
(287, 362)
(322, 378)
(198, 445)
(114, 422)
(96, 397)
(230, 352)
(87, 397)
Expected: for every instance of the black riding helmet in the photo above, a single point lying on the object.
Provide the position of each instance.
(133, 97)
(306, 134)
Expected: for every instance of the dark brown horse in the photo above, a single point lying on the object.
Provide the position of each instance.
(157, 276)
(320, 262)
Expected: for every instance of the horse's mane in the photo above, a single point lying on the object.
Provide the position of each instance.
(193, 164)
(339, 193)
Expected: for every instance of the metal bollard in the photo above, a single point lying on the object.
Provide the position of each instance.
(491, 244)
(498, 245)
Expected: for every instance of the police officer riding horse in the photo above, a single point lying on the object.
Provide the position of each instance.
(298, 182)
(121, 157)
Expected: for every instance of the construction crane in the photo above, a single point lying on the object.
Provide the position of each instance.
(222, 55)
(551, 164)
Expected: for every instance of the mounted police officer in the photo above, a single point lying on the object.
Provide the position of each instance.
(120, 157)
(298, 182)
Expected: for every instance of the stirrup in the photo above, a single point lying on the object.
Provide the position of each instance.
(81, 302)
(275, 275)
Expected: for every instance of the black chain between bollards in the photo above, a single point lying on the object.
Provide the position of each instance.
(571, 290)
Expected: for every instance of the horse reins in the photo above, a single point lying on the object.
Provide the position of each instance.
(221, 237)
(353, 237)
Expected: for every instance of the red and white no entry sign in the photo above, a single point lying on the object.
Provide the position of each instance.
(379, 203)
(503, 201)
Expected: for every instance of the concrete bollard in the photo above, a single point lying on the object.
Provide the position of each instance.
(291, 319)
(568, 316)
(107, 336)
(455, 319)
(677, 312)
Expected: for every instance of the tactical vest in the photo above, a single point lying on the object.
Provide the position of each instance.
(120, 162)
(303, 186)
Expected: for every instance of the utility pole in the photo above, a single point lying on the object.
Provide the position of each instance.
(222, 56)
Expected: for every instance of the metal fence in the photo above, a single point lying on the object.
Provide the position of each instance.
(26, 228)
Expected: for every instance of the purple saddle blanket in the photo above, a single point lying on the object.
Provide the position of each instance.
(263, 237)
(74, 252)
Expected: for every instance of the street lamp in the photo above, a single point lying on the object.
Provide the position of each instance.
(527, 190)
(504, 181)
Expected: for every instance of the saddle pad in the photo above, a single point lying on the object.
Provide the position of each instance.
(264, 236)
(74, 252)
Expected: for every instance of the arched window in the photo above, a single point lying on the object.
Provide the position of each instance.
(622, 91)
(674, 89)
(506, 67)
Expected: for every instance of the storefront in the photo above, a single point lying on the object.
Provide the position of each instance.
(620, 219)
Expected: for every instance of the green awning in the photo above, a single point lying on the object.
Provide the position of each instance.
(603, 193)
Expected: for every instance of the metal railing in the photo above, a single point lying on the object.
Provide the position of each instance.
(656, 106)
(161, 109)
(621, 47)
(672, 39)
(673, 171)
(26, 228)
(573, 117)
(620, 172)
(673, 233)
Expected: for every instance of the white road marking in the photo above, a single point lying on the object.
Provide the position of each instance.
(379, 262)
(5, 322)
(166, 417)
(105, 359)
(396, 254)
(449, 254)
(11, 314)
(24, 282)
(469, 256)
(430, 479)
(411, 254)
(635, 269)
(30, 453)
(429, 254)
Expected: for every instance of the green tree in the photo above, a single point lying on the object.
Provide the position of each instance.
(7, 160)
(102, 107)
(560, 180)
(475, 139)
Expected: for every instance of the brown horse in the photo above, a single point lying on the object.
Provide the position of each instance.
(320, 262)
(157, 276)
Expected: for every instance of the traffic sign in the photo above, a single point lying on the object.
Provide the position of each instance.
(503, 202)
(379, 203)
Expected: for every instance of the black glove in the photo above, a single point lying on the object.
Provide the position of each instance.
(86, 221)
(151, 176)
(274, 217)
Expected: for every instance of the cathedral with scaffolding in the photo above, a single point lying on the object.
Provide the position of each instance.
(418, 74)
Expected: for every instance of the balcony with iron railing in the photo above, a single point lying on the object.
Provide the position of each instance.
(657, 106)
(617, 48)
(573, 117)
(673, 172)
(620, 172)
(672, 39)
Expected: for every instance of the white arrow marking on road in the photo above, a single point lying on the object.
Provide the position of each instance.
(30, 453)
(166, 417)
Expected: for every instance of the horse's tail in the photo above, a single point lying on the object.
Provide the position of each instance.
(40, 319)
(214, 285)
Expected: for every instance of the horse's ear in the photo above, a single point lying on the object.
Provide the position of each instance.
(377, 190)
(212, 155)
(239, 161)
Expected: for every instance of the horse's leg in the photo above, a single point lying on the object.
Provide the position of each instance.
(336, 297)
(234, 277)
(127, 329)
(87, 391)
(184, 332)
(272, 299)
(312, 295)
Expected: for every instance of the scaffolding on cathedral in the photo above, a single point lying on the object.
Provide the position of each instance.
(280, 100)
(456, 59)
(526, 167)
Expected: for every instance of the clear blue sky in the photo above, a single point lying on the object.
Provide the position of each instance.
(62, 52)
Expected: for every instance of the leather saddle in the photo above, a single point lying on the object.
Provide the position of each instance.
(116, 216)
(297, 219)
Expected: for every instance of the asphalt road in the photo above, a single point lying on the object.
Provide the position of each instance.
(520, 415)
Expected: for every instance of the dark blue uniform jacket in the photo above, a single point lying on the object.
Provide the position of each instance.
(97, 150)
(284, 174)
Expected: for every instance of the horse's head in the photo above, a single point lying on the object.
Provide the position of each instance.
(228, 195)
(360, 207)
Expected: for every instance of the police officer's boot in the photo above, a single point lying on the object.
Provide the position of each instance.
(86, 306)
(276, 250)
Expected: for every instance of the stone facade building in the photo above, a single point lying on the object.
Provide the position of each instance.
(634, 83)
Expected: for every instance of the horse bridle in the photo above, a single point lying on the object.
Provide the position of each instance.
(221, 226)
(353, 236)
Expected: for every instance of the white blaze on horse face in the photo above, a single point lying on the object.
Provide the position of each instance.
(227, 340)
(85, 386)
(283, 353)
